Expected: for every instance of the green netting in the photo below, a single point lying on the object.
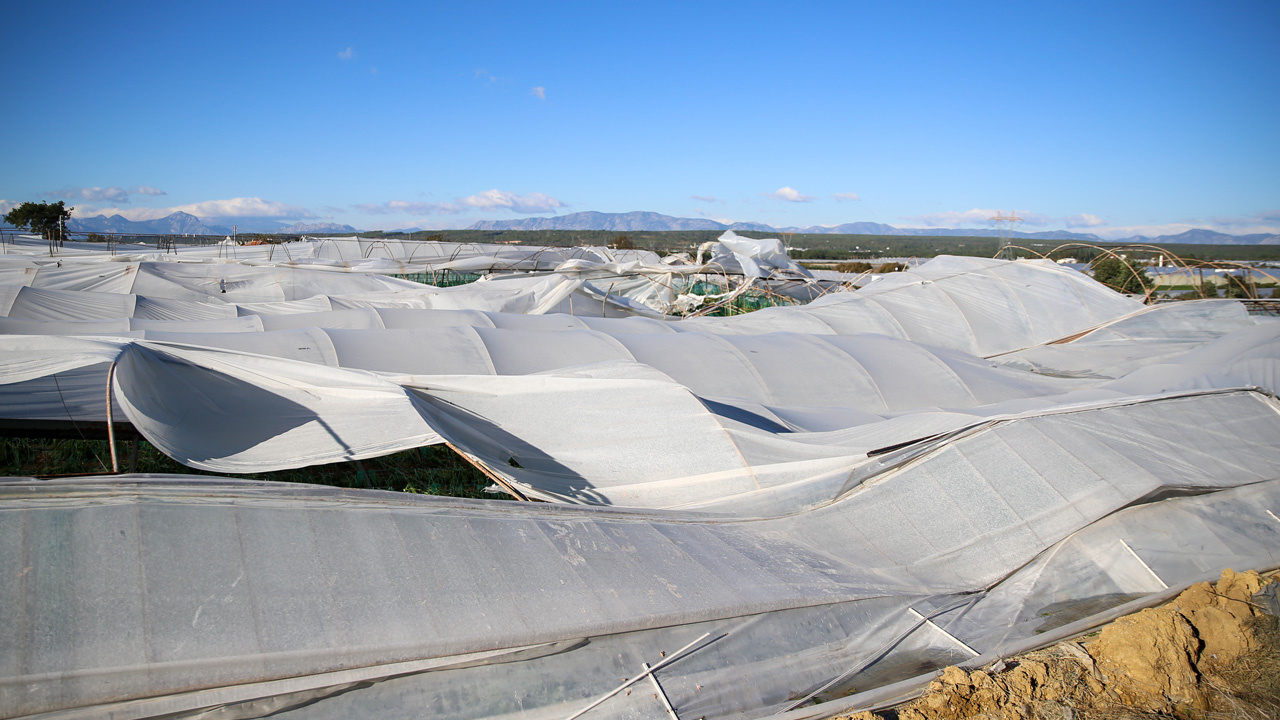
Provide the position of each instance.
(443, 278)
(750, 302)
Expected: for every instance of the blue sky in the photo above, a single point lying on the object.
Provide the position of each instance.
(1113, 118)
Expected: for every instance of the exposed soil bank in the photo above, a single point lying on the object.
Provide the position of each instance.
(1212, 652)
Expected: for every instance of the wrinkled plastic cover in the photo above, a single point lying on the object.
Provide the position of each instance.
(202, 592)
(813, 501)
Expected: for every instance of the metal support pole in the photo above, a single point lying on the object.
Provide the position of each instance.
(111, 428)
(133, 455)
(661, 695)
(1144, 564)
(647, 673)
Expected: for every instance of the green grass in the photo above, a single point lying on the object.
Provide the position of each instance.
(434, 470)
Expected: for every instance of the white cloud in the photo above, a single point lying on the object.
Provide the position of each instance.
(402, 207)
(979, 217)
(114, 194)
(487, 201)
(846, 196)
(7, 205)
(953, 219)
(243, 207)
(347, 54)
(1148, 230)
(1083, 220)
(706, 198)
(233, 207)
(539, 92)
(499, 200)
(789, 194)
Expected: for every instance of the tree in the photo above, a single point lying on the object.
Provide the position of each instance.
(853, 267)
(1207, 288)
(43, 218)
(889, 268)
(1121, 275)
(623, 242)
(1238, 288)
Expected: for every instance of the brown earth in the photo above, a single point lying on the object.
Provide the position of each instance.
(1210, 653)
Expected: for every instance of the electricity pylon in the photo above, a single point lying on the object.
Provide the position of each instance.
(1004, 227)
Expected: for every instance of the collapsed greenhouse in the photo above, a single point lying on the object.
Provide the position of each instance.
(792, 512)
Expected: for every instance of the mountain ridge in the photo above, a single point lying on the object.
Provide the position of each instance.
(178, 223)
(300, 228)
(643, 221)
(181, 223)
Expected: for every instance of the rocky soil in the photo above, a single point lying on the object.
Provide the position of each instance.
(1210, 653)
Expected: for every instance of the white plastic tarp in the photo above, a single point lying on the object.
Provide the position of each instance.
(836, 511)
(302, 592)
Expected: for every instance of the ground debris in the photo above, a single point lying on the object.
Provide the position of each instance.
(1209, 653)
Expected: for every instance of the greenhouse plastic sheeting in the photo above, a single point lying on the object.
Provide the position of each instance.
(235, 413)
(801, 382)
(770, 411)
(328, 603)
(983, 307)
(632, 280)
(754, 458)
(352, 254)
(809, 509)
(752, 257)
(192, 292)
(781, 382)
(1155, 333)
(821, 374)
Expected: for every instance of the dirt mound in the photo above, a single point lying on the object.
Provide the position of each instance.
(1211, 652)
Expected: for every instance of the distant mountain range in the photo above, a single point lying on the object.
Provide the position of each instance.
(654, 222)
(181, 223)
(1209, 237)
(302, 228)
